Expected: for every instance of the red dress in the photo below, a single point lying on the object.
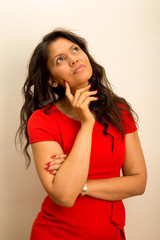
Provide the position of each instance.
(89, 218)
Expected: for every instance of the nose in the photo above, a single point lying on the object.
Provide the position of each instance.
(72, 60)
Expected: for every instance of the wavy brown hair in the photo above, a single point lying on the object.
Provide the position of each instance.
(38, 93)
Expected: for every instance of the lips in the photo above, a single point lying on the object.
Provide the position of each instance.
(79, 68)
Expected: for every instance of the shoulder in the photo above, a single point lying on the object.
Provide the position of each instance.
(42, 125)
(128, 120)
(38, 115)
(43, 115)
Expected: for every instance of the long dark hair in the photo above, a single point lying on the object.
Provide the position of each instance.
(38, 93)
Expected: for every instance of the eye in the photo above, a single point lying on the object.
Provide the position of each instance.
(59, 60)
(75, 49)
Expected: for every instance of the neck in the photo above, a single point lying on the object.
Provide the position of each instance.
(82, 85)
(66, 104)
(65, 107)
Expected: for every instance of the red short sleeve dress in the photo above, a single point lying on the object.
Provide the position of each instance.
(89, 218)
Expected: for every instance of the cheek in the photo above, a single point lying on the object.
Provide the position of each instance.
(61, 74)
(86, 60)
(89, 66)
(56, 71)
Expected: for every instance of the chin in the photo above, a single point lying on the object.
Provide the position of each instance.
(83, 81)
(80, 84)
(86, 76)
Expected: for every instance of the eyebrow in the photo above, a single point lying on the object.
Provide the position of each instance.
(62, 53)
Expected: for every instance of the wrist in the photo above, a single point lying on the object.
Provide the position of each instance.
(89, 124)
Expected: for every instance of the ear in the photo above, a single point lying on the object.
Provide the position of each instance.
(52, 83)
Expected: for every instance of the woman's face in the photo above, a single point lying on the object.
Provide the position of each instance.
(66, 61)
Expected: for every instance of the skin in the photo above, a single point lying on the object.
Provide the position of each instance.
(70, 172)
(63, 57)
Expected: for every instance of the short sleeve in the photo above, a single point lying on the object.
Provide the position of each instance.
(40, 129)
(130, 125)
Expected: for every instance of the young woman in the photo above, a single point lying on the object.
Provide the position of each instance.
(81, 134)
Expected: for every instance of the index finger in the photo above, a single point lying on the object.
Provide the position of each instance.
(68, 92)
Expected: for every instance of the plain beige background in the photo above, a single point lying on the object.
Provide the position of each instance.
(124, 37)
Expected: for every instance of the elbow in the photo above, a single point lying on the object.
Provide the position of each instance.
(141, 191)
(142, 186)
(62, 197)
(69, 200)
(67, 203)
(63, 201)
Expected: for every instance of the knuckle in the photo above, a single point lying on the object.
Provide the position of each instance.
(57, 166)
(58, 161)
(82, 107)
(77, 106)
(54, 172)
(51, 168)
(78, 90)
(86, 93)
(74, 104)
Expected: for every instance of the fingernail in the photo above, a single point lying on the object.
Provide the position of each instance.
(51, 171)
(48, 163)
(96, 90)
(64, 82)
(89, 84)
(97, 97)
(53, 156)
(46, 167)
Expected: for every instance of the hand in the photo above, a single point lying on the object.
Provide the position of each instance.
(80, 102)
(56, 163)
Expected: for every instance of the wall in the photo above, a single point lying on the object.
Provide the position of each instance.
(124, 37)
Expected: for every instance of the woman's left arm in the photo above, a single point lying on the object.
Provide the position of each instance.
(133, 181)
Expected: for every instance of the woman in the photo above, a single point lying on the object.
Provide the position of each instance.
(81, 134)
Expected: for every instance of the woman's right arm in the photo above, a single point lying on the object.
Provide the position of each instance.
(69, 180)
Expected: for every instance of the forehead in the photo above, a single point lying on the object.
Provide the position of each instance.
(60, 45)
